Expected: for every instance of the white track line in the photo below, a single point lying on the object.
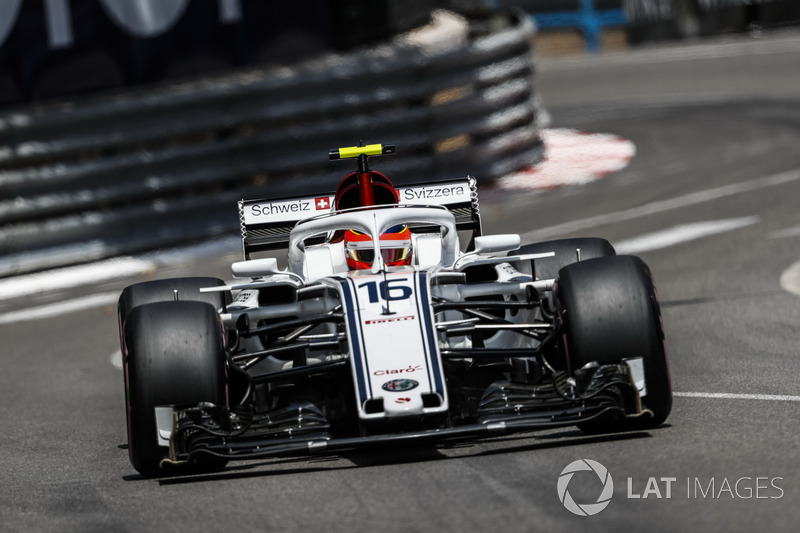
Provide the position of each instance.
(785, 233)
(790, 279)
(730, 396)
(60, 308)
(112, 269)
(77, 276)
(663, 205)
(116, 360)
(680, 234)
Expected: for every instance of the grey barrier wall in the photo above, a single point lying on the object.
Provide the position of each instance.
(648, 10)
(159, 166)
(57, 48)
(670, 19)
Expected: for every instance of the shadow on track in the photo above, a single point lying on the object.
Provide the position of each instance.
(396, 456)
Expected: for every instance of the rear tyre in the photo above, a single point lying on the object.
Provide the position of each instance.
(609, 310)
(565, 254)
(173, 353)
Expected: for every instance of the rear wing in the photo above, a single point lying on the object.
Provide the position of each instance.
(266, 223)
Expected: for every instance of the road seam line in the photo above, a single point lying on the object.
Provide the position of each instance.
(680, 234)
(732, 396)
(661, 206)
(60, 308)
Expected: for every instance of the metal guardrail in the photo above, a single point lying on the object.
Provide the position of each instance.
(90, 179)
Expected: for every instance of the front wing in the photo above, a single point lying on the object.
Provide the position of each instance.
(191, 439)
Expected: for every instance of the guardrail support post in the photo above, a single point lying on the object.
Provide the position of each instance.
(587, 19)
(591, 25)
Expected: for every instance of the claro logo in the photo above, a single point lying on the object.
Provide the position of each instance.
(407, 370)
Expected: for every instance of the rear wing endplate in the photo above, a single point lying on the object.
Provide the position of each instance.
(266, 223)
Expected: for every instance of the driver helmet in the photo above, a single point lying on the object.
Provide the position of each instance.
(395, 245)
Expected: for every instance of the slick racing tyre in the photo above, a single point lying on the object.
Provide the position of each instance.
(565, 254)
(609, 310)
(173, 353)
(163, 290)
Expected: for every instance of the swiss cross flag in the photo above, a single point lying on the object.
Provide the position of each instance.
(322, 203)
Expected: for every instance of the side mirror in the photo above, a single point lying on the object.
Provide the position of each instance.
(497, 243)
(255, 268)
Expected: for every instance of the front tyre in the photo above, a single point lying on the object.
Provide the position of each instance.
(165, 290)
(609, 310)
(566, 252)
(173, 353)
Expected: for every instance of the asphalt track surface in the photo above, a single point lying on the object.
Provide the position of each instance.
(712, 196)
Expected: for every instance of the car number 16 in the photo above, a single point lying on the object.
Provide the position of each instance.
(388, 290)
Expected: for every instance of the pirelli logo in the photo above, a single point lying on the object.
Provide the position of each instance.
(391, 319)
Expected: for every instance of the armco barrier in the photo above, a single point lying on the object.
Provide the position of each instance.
(138, 170)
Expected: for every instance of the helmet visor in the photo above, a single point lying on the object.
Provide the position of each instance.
(395, 248)
(391, 256)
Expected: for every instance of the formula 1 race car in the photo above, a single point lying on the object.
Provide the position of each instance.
(384, 331)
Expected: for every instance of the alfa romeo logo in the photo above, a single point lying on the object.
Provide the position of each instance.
(399, 385)
(587, 509)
